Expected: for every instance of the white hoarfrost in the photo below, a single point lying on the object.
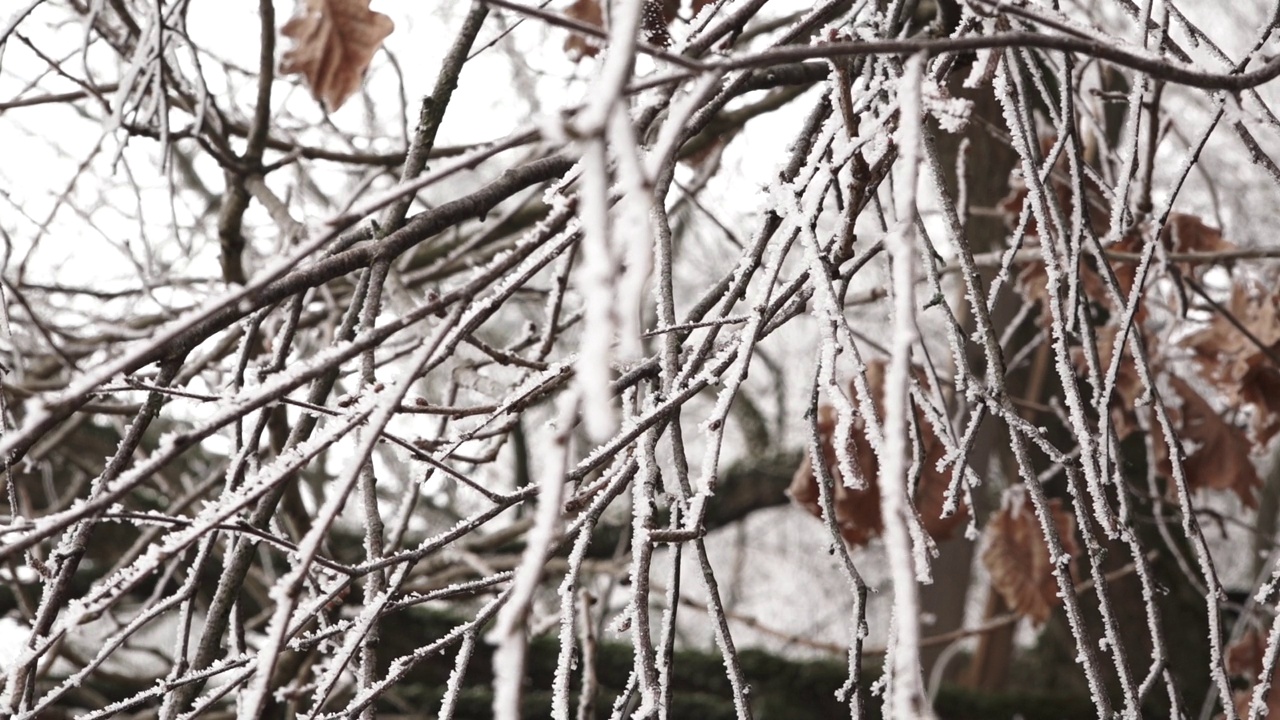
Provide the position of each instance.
(906, 697)
(509, 632)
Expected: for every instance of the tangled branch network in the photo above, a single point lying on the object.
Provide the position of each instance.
(303, 405)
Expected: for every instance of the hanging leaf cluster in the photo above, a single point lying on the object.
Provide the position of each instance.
(1016, 555)
(1224, 407)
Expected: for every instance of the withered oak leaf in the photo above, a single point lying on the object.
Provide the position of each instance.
(656, 17)
(1242, 369)
(1244, 658)
(578, 46)
(858, 510)
(1219, 458)
(334, 42)
(1017, 556)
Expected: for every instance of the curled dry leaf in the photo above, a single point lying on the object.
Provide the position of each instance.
(1260, 387)
(1018, 558)
(1128, 386)
(1181, 234)
(1235, 364)
(1011, 205)
(655, 19)
(1184, 233)
(1217, 450)
(858, 510)
(335, 41)
(578, 46)
(1244, 659)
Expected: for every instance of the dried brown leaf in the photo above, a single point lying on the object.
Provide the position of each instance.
(1010, 206)
(335, 40)
(1219, 458)
(578, 46)
(1244, 656)
(655, 18)
(1018, 558)
(1181, 233)
(1244, 697)
(1184, 233)
(1128, 387)
(1237, 367)
(931, 494)
(858, 510)
(1260, 387)
(1244, 659)
(1032, 280)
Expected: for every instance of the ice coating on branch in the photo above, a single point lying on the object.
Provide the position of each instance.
(1042, 205)
(908, 560)
(1022, 129)
(329, 675)
(511, 626)
(829, 315)
(952, 113)
(596, 275)
(741, 353)
(568, 614)
(633, 235)
(985, 64)
(213, 513)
